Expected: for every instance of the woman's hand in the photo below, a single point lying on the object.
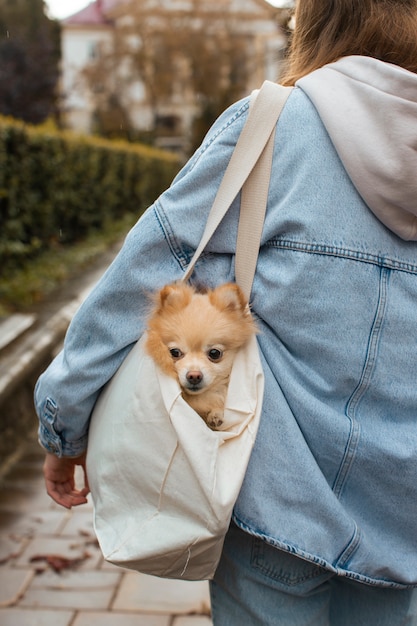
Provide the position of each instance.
(59, 474)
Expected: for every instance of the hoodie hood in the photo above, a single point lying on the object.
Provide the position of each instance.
(369, 109)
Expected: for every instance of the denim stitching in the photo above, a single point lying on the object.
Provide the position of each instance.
(221, 130)
(363, 385)
(349, 550)
(291, 580)
(378, 582)
(348, 457)
(347, 253)
(176, 249)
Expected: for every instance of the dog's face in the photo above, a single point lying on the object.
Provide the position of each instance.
(194, 336)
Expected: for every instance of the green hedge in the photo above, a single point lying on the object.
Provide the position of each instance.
(59, 187)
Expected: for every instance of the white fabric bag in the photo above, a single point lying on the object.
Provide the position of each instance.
(164, 484)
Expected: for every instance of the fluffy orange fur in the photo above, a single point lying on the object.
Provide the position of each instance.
(194, 337)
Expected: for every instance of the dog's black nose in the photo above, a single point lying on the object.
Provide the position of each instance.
(194, 377)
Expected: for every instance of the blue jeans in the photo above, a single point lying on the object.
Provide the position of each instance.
(259, 585)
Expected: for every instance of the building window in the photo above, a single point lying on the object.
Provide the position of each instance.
(93, 50)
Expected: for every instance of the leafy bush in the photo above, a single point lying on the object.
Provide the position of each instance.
(58, 187)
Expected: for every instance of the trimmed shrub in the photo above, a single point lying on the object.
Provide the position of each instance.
(59, 187)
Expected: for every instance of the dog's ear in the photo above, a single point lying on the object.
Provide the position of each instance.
(228, 297)
(174, 296)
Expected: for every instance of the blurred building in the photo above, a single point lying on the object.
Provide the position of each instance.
(112, 75)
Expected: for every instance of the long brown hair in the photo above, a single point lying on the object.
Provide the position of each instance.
(326, 30)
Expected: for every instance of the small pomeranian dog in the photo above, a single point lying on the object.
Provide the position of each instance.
(193, 336)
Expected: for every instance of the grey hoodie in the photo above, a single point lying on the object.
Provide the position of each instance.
(369, 109)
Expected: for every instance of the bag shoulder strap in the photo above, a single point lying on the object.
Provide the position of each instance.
(250, 151)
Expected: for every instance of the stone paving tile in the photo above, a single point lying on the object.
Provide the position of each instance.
(18, 617)
(83, 590)
(11, 547)
(15, 527)
(139, 592)
(21, 476)
(47, 522)
(193, 620)
(105, 565)
(76, 580)
(13, 584)
(119, 619)
(96, 599)
(94, 592)
(8, 520)
(23, 499)
(79, 523)
(67, 547)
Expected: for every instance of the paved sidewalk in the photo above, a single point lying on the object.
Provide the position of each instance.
(51, 569)
(52, 572)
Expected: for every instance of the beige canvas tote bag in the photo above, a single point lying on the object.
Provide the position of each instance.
(163, 484)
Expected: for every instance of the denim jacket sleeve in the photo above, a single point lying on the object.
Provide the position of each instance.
(155, 252)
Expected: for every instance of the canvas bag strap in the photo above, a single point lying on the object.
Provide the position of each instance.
(251, 149)
(253, 203)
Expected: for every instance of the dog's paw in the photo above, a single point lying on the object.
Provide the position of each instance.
(214, 419)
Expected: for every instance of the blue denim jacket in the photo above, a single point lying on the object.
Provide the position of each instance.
(333, 475)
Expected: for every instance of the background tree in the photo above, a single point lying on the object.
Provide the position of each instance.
(198, 50)
(29, 58)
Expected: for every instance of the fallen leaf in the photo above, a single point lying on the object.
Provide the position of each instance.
(59, 563)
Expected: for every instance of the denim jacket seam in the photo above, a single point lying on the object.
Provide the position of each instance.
(342, 252)
(172, 242)
(363, 384)
(351, 548)
(180, 254)
(372, 349)
(348, 552)
(241, 111)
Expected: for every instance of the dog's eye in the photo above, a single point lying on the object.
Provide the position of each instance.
(214, 354)
(176, 353)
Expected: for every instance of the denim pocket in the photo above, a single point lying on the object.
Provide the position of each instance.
(285, 570)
